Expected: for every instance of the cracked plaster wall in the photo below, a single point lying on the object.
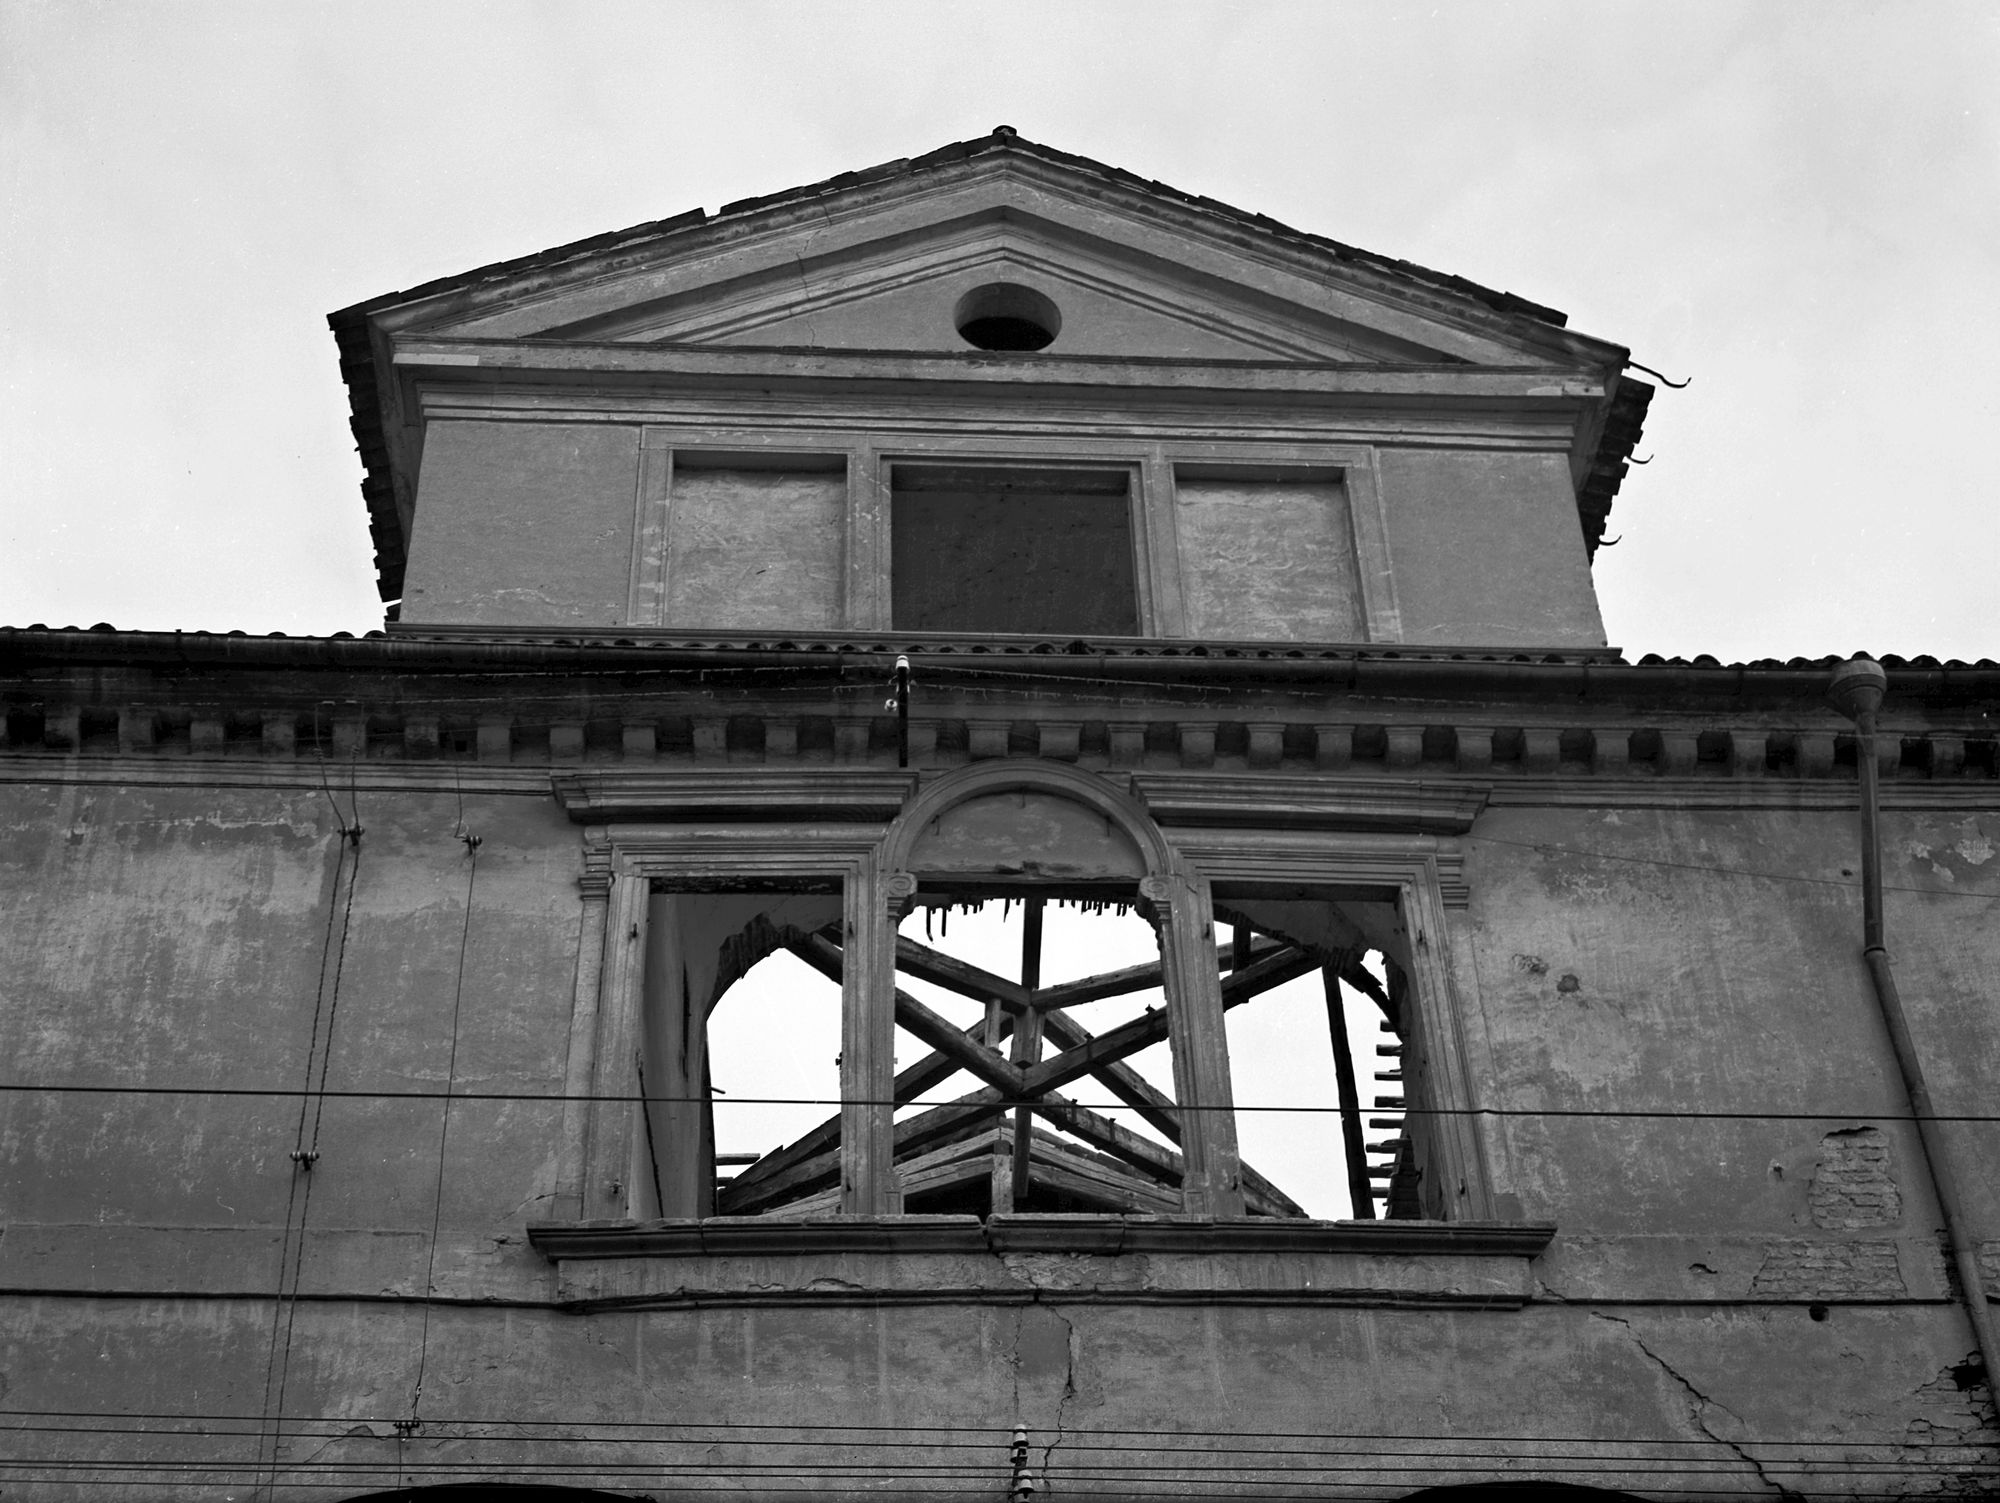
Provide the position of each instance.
(161, 933)
(1682, 961)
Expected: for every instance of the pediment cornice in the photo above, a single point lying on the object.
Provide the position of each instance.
(873, 262)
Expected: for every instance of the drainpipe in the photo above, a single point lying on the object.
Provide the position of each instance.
(1856, 690)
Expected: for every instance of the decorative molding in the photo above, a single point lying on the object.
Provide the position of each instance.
(1453, 889)
(595, 880)
(755, 793)
(898, 888)
(1010, 1260)
(1950, 785)
(1195, 1236)
(1417, 807)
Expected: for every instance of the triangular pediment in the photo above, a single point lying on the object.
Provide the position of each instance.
(888, 264)
(868, 277)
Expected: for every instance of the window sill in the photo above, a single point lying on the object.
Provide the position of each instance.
(1012, 1259)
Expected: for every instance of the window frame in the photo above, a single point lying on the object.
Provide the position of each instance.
(865, 603)
(1206, 838)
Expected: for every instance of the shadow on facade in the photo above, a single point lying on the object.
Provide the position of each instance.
(487, 1492)
(1516, 1492)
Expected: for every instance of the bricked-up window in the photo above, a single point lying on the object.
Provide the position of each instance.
(987, 548)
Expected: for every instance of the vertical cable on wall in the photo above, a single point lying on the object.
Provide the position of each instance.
(305, 1138)
(408, 1427)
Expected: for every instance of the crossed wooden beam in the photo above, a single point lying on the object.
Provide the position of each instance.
(1026, 1083)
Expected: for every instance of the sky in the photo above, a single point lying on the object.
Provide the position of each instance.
(1793, 206)
(774, 1044)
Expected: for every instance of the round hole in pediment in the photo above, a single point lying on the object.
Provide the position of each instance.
(1007, 316)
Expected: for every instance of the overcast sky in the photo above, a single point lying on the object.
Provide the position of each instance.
(1796, 205)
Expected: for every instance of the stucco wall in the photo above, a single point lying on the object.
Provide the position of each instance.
(523, 524)
(1485, 548)
(1665, 959)
(1268, 560)
(1380, 1402)
(194, 938)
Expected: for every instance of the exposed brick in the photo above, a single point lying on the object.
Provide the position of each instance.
(1799, 1269)
(1854, 1185)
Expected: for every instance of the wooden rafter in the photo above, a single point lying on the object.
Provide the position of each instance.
(812, 1161)
(927, 1026)
(1151, 1027)
(932, 1070)
(956, 975)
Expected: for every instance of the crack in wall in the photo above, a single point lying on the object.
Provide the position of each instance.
(1055, 1425)
(1062, 1404)
(1698, 1403)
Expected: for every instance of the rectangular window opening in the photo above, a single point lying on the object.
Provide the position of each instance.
(1029, 976)
(740, 1048)
(1004, 549)
(1327, 1066)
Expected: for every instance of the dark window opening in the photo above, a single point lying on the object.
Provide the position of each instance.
(1007, 316)
(1026, 551)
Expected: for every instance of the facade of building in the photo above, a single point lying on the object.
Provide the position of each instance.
(989, 527)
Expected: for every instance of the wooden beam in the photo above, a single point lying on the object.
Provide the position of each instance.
(1027, 1050)
(1099, 1055)
(1157, 1108)
(1152, 1026)
(1136, 978)
(807, 1175)
(956, 975)
(1360, 1195)
(1351, 971)
(933, 1069)
(937, 1031)
(1101, 1133)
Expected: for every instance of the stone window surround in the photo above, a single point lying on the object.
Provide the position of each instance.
(854, 827)
(870, 462)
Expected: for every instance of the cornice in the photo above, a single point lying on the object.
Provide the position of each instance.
(745, 792)
(1403, 806)
(704, 365)
(726, 1236)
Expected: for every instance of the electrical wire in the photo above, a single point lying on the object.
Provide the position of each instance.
(305, 1151)
(1203, 1441)
(633, 1098)
(1240, 1475)
(472, 843)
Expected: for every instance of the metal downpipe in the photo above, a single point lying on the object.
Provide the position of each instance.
(1856, 690)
